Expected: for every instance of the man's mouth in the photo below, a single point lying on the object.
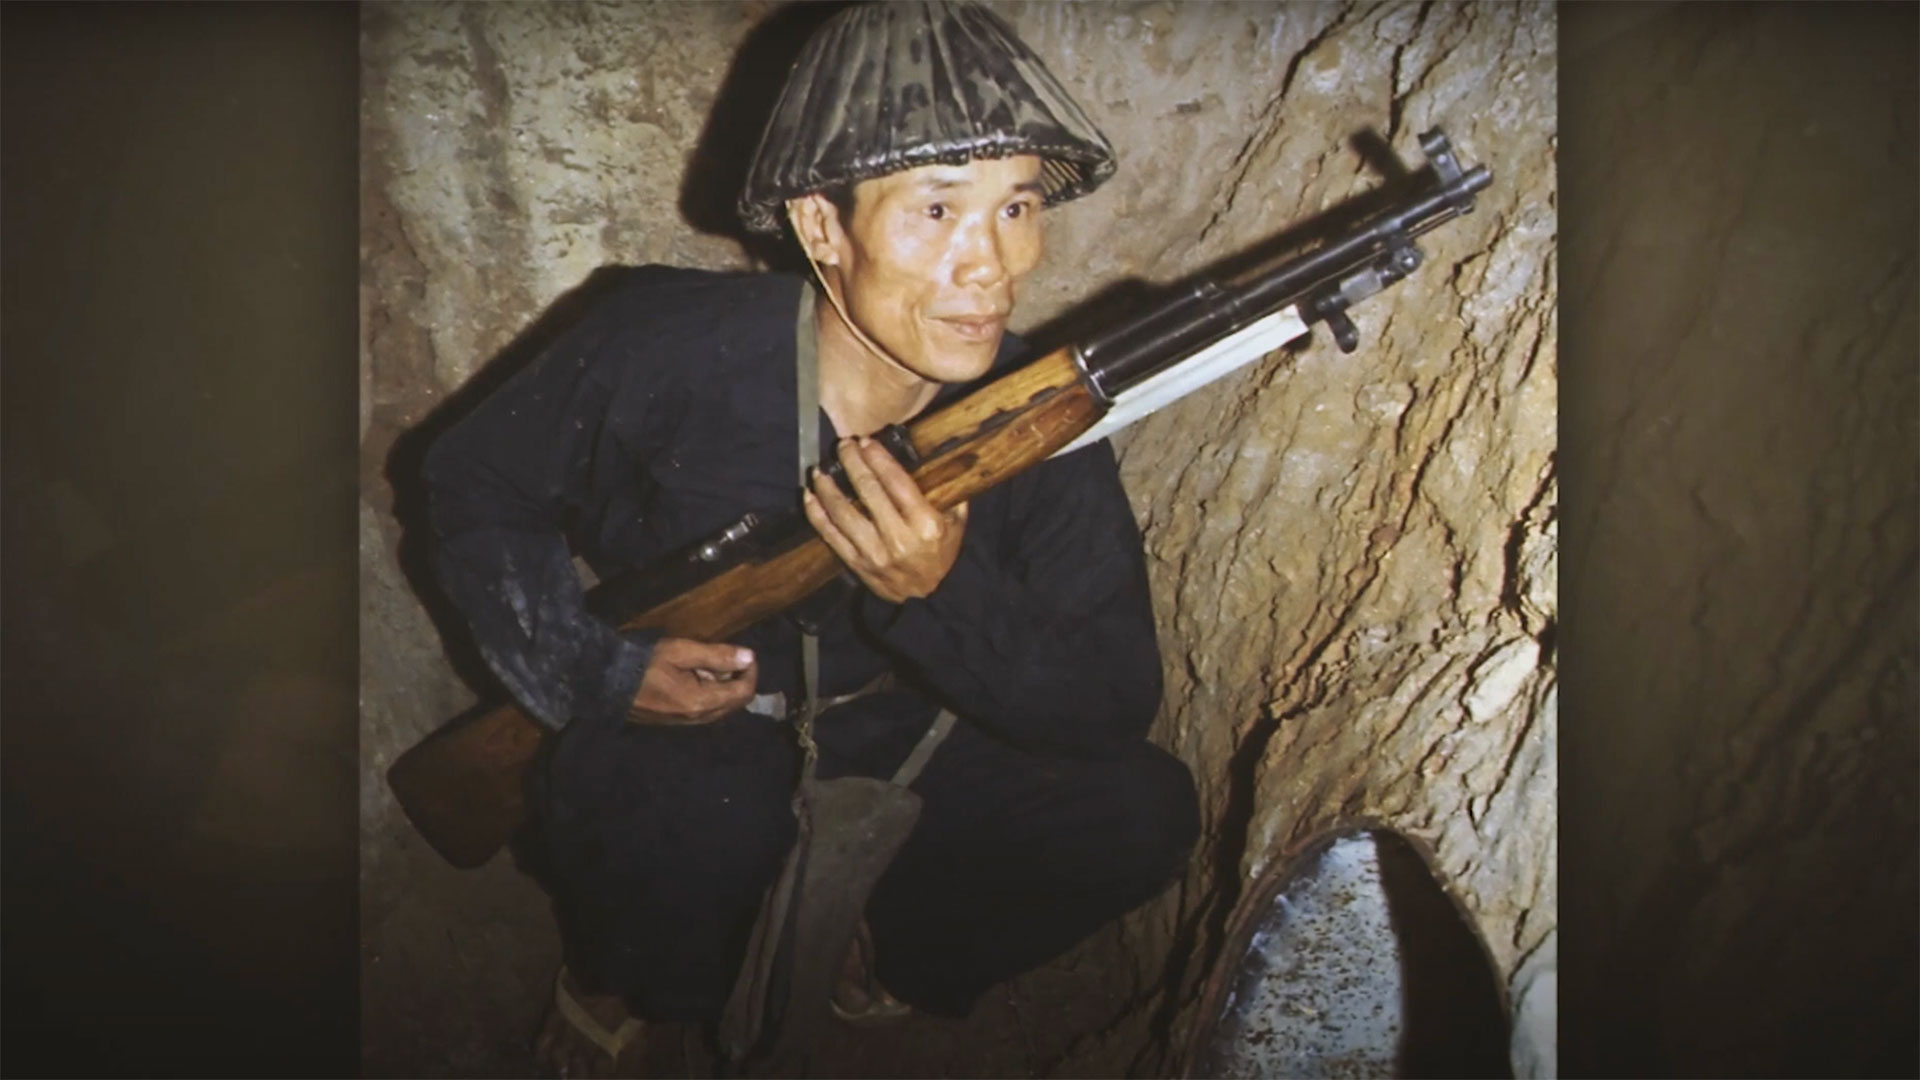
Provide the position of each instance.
(975, 328)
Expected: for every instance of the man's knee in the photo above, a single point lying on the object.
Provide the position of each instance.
(1139, 823)
(1166, 812)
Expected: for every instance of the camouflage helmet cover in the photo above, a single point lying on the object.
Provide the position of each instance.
(883, 87)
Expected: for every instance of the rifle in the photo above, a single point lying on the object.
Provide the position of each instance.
(464, 786)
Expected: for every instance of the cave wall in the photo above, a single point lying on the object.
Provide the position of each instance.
(1353, 557)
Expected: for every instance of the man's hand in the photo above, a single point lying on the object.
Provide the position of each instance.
(693, 682)
(899, 545)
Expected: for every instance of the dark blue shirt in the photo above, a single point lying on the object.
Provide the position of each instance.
(666, 413)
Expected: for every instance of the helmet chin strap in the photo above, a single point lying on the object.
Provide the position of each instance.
(833, 298)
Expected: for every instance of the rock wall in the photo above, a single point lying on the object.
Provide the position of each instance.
(1353, 557)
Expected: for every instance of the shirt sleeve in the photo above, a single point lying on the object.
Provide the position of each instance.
(501, 485)
(1045, 635)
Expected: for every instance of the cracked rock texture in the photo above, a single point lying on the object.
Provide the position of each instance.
(1354, 558)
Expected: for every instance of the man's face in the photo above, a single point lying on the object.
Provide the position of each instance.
(928, 259)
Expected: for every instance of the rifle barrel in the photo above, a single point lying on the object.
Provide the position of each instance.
(1206, 312)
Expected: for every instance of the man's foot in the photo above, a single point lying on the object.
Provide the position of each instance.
(589, 1035)
(859, 998)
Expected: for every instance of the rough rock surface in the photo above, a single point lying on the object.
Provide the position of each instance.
(1354, 557)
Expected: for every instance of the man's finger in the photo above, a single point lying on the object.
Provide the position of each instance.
(686, 654)
(852, 522)
(730, 693)
(904, 496)
(696, 698)
(822, 523)
(846, 503)
(691, 682)
(874, 496)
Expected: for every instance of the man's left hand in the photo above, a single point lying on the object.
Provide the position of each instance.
(893, 539)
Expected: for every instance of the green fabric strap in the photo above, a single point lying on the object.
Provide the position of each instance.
(807, 393)
(806, 368)
(806, 362)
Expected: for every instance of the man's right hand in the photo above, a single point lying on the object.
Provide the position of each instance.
(693, 682)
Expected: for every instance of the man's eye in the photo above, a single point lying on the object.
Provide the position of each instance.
(1016, 210)
(937, 212)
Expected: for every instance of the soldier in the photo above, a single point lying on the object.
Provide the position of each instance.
(910, 155)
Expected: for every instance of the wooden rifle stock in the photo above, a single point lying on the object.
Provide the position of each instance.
(464, 788)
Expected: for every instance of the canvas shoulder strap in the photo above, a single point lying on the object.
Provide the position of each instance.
(807, 395)
(807, 398)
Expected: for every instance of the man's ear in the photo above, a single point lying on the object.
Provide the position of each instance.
(817, 226)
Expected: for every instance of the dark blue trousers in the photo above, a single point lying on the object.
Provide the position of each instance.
(661, 841)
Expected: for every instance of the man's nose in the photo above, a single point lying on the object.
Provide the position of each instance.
(979, 259)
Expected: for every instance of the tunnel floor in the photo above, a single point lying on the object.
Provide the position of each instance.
(457, 976)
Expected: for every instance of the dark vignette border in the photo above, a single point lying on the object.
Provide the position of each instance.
(1738, 411)
(178, 327)
(177, 335)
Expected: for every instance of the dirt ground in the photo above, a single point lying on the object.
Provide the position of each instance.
(457, 976)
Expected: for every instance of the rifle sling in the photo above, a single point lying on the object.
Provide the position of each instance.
(847, 832)
(806, 371)
(806, 363)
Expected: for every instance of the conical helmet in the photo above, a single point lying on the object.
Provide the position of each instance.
(883, 87)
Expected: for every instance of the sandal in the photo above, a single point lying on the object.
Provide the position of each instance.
(859, 999)
(615, 1042)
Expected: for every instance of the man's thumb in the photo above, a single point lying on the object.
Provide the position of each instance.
(685, 653)
(727, 658)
